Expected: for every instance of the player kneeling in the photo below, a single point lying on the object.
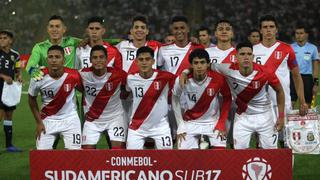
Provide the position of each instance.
(58, 115)
(102, 106)
(202, 114)
(150, 91)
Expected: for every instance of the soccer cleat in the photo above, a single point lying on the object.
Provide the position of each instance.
(36, 74)
(13, 149)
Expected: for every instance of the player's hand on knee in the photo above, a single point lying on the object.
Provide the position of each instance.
(221, 134)
(181, 137)
(36, 74)
(279, 124)
(40, 128)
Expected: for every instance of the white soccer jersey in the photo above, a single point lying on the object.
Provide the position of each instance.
(248, 92)
(278, 59)
(82, 59)
(102, 94)
(150, 99)
(202, 104)
(57, 95)
(175, 59)
(219, 56)
(129, 51)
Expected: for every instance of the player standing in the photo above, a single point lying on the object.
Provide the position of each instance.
(205, 37)
(103, 108)
(203, 114)
(58, 115)
(9, 69)
(150, 90)
(128, 48)
(254, 36)
(95, 31)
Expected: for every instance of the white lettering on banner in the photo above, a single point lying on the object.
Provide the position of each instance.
(130, 174)
(131, 161)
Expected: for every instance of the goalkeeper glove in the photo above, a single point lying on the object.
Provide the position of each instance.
(36, 74)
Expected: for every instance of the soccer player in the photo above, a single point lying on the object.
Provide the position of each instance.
(103, 108)
(223, 52)
(174, 57)
(308, 58)
(205, 37)
(150, 91)
(254, 36)
(279, 58)
(95, 31)
(58, 114)
(9, 69)
(203, 114)
(56, 29)
(128, 48)
(247, 81)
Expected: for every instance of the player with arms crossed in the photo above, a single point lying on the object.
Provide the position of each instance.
(102, 106)
(151, 90)
(9, 69)
(203, 115)
(128, 48)
(58, 115)
(95, 31)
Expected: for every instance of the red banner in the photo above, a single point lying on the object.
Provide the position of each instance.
(161, 164)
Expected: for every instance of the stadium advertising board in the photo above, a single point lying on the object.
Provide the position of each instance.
(161, 164)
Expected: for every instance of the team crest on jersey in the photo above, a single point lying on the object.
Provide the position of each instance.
(255, 84)
(157, 85)
(278, 55)
(210, 91)
(67, 50)
(232, 58)
(310, 136)
(109, 86)
(67, 87)
(296, 136)
(12, 58)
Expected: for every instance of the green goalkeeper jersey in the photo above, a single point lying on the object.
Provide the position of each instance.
(39, 53)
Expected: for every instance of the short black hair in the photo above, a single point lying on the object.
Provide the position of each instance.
(253, 30)
(222, 21)
(97, 19)
(268, 17)
(7, 32)
(244, 44)
(199, 53)
(179, 19)
(56, 17)
(204, 28)
(301, 25)
(98, 48)
(56, 47)
(145, 49)
(140, 18)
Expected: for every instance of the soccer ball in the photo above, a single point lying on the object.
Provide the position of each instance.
(256, 168)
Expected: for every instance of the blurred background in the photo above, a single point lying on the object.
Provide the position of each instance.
(28, 19)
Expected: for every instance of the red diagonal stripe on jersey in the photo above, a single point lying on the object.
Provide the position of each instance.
(229, 57)
(59, 99)
(185, 61)
(102, 98)
(249, 92)
(134, 66)
(202, 105)
(148, 101)
(273, 63)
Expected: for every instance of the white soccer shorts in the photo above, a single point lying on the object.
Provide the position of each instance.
(263, 124)
(69, 128)
(116, 128)
(161, 136)
(195, 130)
